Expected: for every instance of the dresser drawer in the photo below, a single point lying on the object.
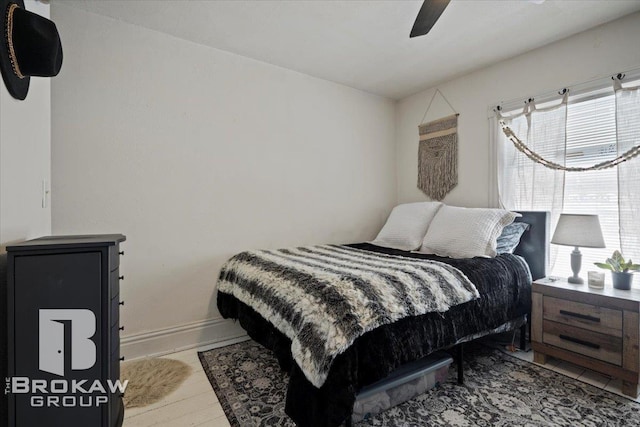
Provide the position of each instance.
(593, 344)
(114, 374)
(115, 403)
(116, 410)
(586, 316)
(114, 257)
(115, 340)
(114, 283)
(115, 310)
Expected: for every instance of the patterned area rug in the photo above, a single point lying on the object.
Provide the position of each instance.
(499, 390)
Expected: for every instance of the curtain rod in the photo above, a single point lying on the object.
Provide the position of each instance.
(602, 82)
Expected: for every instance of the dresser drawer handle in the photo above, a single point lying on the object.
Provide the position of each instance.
(121, 328)
(580, 316)
(122, 359)
(121, 303)
(121, 253)
(578, 341)
(121, 278)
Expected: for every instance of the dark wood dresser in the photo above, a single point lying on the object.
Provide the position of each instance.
(598, 329)
(63, 297)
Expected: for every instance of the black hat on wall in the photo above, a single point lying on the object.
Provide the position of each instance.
(30, 46)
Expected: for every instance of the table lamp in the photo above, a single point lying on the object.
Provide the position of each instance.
(578, 231)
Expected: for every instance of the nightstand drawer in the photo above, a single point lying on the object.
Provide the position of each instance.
(599, 346)
(598, 319)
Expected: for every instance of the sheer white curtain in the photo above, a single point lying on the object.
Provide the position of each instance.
(628, 136)
(597, 126)
(522, 183)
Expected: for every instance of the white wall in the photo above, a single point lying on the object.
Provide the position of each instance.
(196, 154)
(605, 50)
(25, 144)
(25, 161)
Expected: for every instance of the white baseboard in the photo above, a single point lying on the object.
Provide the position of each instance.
(209, 333)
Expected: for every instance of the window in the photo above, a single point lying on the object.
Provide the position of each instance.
(590, 134)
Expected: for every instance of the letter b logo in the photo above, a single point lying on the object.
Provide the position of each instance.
(52, 349)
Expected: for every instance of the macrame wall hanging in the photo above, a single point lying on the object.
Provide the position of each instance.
(438, 154)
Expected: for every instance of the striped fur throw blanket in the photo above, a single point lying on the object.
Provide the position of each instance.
(324, 297)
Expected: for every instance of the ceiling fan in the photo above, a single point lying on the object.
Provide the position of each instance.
(427, 17)
(431, 11)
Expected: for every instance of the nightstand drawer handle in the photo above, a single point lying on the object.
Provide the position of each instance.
(577, 341)
(580, 316)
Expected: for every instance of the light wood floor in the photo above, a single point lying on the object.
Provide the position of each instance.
(578, 372)
(195, 404)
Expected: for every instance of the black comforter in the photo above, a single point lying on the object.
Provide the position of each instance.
(504, 284)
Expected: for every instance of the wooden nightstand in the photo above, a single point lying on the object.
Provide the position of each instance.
(598, 329)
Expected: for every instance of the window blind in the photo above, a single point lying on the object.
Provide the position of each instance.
(591, 138)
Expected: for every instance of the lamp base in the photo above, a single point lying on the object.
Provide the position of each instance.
(576, 280)
(576, 263)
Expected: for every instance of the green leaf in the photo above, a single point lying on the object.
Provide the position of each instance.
(635, 267)
(603, 265)
(618, 257)
(615, 265)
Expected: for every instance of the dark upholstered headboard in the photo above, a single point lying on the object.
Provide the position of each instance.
(534, 244)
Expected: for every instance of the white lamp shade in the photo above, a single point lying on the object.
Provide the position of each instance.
(578, 230)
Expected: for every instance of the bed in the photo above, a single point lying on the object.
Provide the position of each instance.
(503, 284)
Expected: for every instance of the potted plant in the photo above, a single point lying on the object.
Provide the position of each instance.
(621, 270)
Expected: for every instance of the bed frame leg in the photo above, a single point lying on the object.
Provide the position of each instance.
(523, 336)
(459, 362)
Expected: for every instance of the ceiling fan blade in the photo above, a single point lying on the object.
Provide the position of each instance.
(427, 17)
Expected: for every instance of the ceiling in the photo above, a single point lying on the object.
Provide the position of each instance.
(365, 44)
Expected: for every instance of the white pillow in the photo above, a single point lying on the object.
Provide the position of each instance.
(406, 225)
(466, 232)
